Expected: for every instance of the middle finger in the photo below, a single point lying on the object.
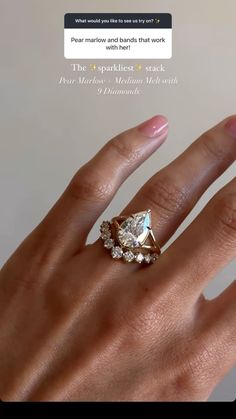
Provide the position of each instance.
(172, 192)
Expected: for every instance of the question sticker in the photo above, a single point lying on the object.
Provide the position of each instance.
(118, 36)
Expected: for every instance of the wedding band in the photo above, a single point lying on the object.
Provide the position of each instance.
(130, 238)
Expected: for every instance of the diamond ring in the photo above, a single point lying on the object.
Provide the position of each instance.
(130, 238)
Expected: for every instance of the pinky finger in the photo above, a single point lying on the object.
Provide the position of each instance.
(221, 326)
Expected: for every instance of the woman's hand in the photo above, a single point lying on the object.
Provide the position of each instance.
(77, 325)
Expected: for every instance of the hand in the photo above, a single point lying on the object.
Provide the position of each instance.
(77, 325)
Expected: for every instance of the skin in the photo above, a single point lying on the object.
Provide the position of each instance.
(77, 325)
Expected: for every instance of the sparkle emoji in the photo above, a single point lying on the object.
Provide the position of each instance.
(138, 67)
(93, 67)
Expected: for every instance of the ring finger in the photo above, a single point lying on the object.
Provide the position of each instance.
(172, 193)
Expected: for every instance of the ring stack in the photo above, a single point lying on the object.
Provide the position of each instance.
(130, 238)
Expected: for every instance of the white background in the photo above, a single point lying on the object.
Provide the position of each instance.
(137, 50)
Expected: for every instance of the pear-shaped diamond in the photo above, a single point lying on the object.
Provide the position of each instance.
(134, 231)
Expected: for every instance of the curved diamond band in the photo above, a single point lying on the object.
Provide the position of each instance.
(130, 238)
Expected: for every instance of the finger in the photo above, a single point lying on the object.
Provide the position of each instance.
(68, 223)
(221, 312)
(219, 322)
(205, 247)
(172, 193)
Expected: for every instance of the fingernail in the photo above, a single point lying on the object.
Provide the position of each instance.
(154, 127)
(231, 127)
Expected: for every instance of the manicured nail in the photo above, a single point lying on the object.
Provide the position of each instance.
(231, 127)
(154, 127)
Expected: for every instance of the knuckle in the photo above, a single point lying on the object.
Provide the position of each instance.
(225, 216)
(192, 371)
(90, 187)
(164, 194)
(36, 257)
(187, 384)
(122, 148)
(211, 147)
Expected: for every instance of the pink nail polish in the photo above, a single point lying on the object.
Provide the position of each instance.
(154, 127)
(231, 127)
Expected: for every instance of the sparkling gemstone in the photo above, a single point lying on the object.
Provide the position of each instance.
(154, 257)
(128, 256)
(109, 243)
(134, 230)
(106, 235)
(147, 258)
(139, 257)
(105, 226)
(116, 252)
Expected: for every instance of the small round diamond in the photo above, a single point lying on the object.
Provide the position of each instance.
(116, 252)
(106, 235)
(109, 243)
(139, 257)
(147, 258)
(105, 226)
(154, 257)
(128, 256)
